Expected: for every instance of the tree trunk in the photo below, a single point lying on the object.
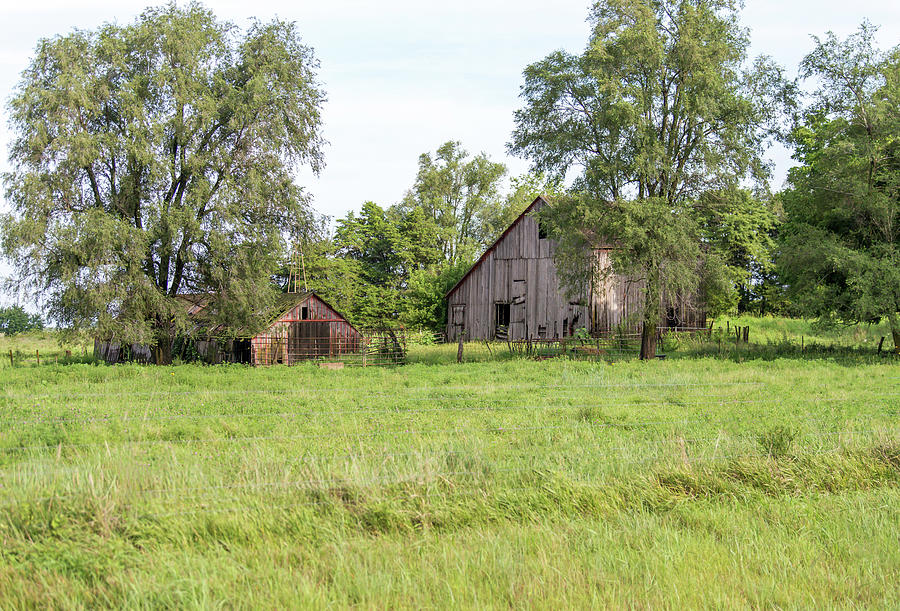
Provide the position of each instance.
(648, 341)
(651, 314)
(162, 352)
(895, 330)
(162, 349)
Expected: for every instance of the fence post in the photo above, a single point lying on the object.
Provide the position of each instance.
(746, 335)
(12, 364)
(459, 351)
(38, 353)
(880, 344)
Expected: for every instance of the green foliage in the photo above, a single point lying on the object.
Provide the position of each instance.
(375, 261)
(461, 197)
(155, 158)
(657, 113)
(14, 319)
(739, 230)
(840, 252)
(425, 306)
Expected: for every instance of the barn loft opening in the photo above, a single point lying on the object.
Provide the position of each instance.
(542, 230)
(304, 313)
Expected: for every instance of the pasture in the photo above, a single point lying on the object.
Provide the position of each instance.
(738, 476)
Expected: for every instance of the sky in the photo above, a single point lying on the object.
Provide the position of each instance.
(404, 76)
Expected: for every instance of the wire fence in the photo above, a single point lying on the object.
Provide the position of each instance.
(598, 345)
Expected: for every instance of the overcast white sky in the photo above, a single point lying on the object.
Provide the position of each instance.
(404, 76)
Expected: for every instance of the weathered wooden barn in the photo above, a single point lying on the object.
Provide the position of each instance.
(513, 292)
(297, 327)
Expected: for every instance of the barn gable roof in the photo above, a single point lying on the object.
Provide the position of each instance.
(531, 206)
(198, 311)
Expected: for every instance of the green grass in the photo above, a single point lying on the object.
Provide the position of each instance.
(719, 477)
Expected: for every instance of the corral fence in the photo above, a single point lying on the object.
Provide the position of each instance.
(602, 345)
(370, 347)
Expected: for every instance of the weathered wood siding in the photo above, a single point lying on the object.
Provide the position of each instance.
(519, 270)
(297, 335)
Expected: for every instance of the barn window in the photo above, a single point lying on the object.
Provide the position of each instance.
(458, 314)
(304, 313)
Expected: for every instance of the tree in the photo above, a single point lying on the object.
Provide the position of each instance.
(738, 227)
(460, 195)
(658, 111)
(15, 319)
(386, 247)
(840, 252)
(156, 158)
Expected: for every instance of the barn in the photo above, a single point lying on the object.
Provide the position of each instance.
(512, 292)
(297, 327)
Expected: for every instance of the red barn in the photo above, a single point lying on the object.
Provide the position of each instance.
(299, 327)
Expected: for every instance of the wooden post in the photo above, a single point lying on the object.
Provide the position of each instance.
(746, 335)
(728, 326)
(801, 343)
(880, 344)
(12, 364)
(38, 353)
(459, 351)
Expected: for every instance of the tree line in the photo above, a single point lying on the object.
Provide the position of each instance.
(157, 158)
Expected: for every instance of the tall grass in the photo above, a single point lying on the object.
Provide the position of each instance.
(699, 480)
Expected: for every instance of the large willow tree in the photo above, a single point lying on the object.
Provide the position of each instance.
(156, 158)
(659, 114)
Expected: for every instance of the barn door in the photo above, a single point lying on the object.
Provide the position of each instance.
(517, 313)
(457, 319)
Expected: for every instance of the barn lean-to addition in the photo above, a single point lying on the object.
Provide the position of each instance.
(513, 292)
(297, 327)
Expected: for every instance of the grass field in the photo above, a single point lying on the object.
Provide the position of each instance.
(723, 476)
